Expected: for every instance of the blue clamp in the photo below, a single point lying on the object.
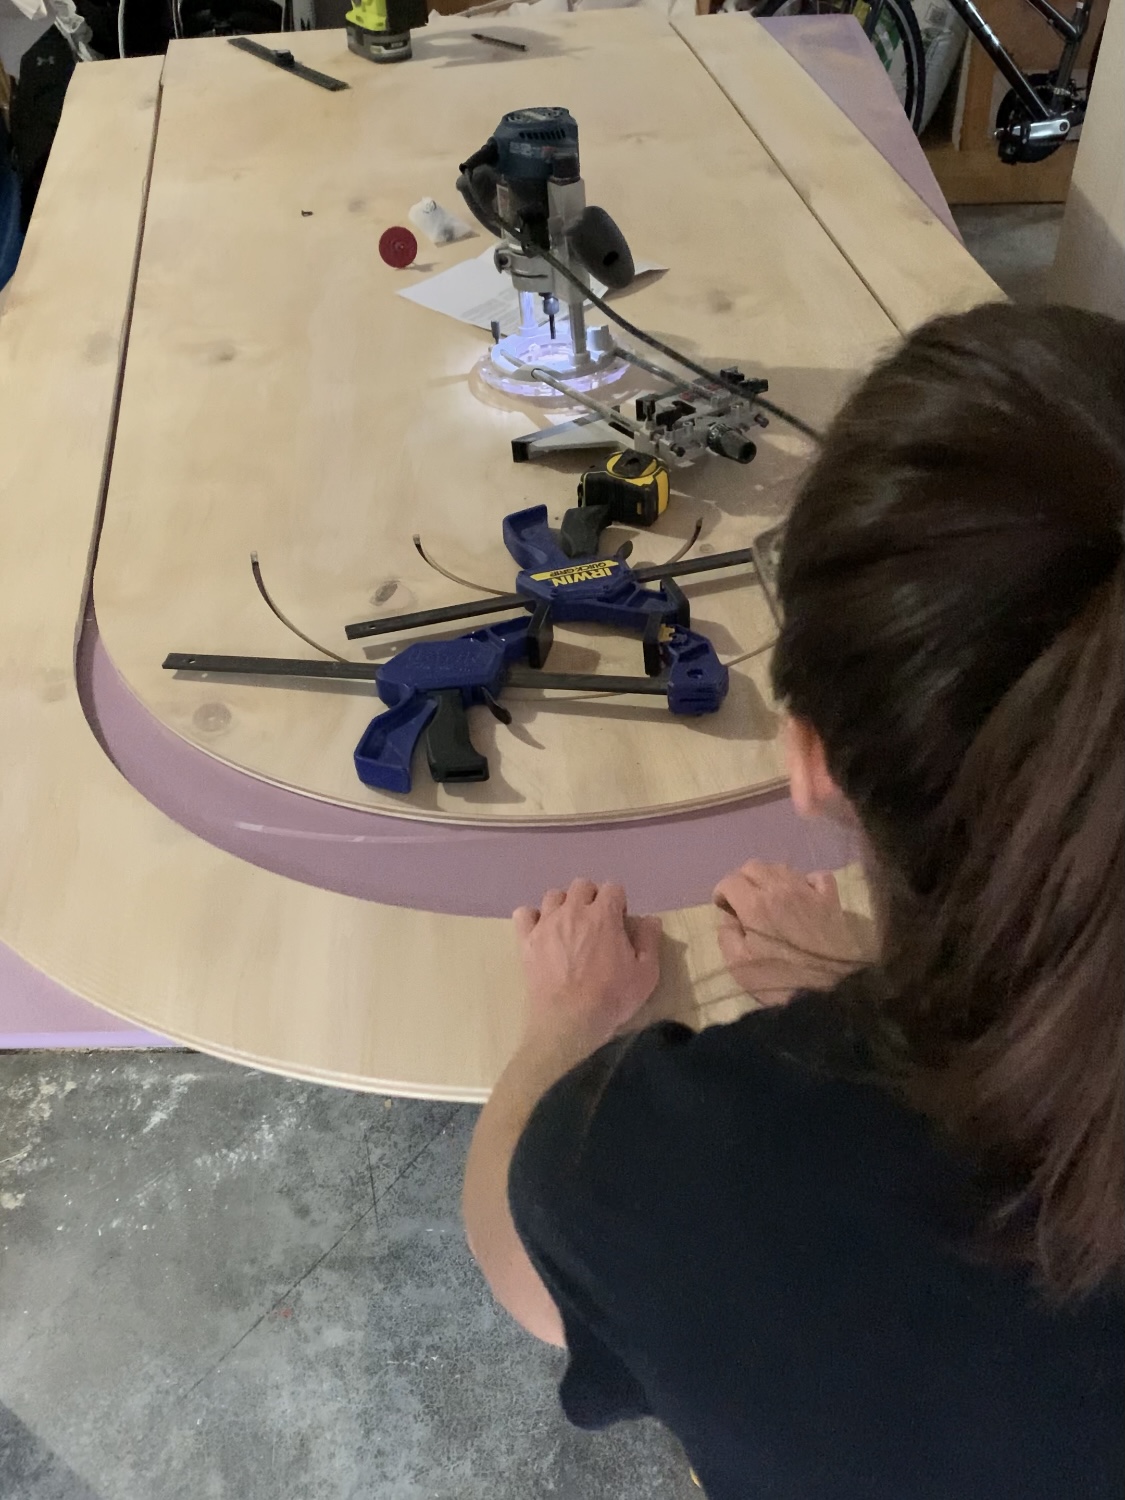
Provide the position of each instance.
(697, 680)
(598, 589)
(428, 687)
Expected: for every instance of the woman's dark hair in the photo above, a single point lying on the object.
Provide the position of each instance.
(953, 594)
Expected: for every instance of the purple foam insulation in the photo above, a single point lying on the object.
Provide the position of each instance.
(467, 871)
(834, 51)
(35, 1011)
(664, 863)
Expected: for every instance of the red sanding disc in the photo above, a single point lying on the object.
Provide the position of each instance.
(398, 247)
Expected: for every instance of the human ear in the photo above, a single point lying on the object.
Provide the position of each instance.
(814, 792)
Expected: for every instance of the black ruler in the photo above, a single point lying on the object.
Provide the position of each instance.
(287, 62)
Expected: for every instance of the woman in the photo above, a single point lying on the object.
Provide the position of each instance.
(868, 1244)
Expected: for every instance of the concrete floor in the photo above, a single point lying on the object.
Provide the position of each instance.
(1015, 243)
(215, 1283)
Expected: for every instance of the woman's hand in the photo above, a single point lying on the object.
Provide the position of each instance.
(589, 965)
(781, 931)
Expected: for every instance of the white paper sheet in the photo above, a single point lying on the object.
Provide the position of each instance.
(476, 292)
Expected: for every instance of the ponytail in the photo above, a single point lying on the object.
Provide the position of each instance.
(1021, 957)
(953, 595)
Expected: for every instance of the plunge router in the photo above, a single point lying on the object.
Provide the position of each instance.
(525, 186)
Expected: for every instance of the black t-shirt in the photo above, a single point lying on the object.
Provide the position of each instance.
(771, 1254)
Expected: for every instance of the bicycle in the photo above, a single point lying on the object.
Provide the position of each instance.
(1039, 112)
(891, 27)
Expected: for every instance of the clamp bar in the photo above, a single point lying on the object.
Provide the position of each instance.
(586, 682)
(443, 615)
(364, 671)
(737, 558)
(271, 666)
(391, 624)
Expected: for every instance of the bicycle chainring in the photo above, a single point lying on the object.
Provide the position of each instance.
(1013, 113)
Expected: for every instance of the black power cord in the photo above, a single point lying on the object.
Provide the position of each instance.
(492, 221)
(665, 349)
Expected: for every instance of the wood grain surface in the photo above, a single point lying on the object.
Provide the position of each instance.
(97, 888)
(899, 249)
(278, 396)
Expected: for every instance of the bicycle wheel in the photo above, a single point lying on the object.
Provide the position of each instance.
(897, 41)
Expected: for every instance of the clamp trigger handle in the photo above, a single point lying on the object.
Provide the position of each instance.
(383, 755)
(449, 748)
(581, 530)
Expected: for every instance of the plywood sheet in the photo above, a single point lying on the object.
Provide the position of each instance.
(280, 397)
(98, 889)
(896, 245)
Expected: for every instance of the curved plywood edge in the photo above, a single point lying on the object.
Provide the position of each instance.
(899, 248)
(280, 397)
(97, 888)
(465, 871)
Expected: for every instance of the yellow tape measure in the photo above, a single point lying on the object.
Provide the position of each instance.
(634, 486)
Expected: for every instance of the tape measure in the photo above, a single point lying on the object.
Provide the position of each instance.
(633, 487)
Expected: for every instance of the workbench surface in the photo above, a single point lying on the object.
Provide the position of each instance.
(211, 868)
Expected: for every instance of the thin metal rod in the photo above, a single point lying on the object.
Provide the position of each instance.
(256, 569)
(735, 661)
(608, 414)
(687, 546)
(652, 368)
(576, 312)
(481, 588)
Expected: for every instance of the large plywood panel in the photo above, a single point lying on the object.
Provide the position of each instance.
(280, 397)
(98, 889)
